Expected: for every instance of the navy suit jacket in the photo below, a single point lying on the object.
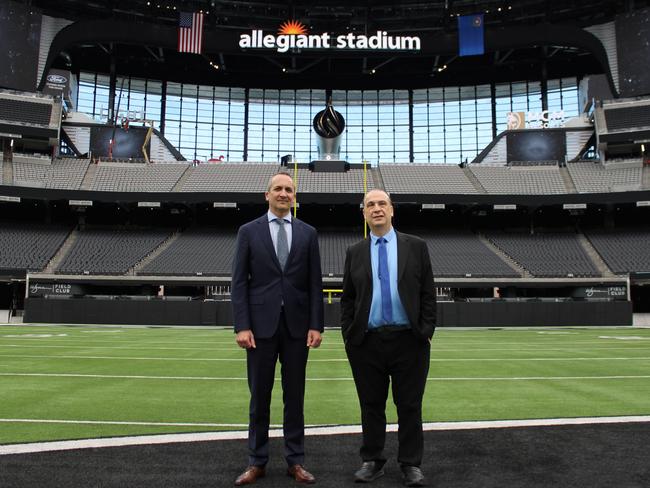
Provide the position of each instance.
(414, 284)
(259, 286)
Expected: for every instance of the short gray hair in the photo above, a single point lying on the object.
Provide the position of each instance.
(281, 172)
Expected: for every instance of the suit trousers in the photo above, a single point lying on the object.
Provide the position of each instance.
(261, 362)
(403, 359)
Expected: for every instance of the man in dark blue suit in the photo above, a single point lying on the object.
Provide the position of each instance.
(278, 313)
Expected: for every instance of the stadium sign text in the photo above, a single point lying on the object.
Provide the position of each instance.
(535, 120)
(56, 289)
(282, 43)
(57, 79)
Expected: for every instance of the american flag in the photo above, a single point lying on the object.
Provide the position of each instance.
(190, 32)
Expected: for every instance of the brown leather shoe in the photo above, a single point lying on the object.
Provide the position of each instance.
(300, 474)
(250, 475)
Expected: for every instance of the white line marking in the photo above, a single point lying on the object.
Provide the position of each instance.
(343, 378)
(100, 331)
(132, 348)
(626, 338)
(325, 430)
(552, 332)
(333, 360)
(115, 422)
(541, 378)
(133, 377)
(31, 336)
(120, 358)
(316, 351)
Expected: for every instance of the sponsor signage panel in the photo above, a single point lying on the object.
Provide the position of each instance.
(4, 198)
(535, 120)
(80, 203)
(610, 292)
(57, 83)
(58, 289)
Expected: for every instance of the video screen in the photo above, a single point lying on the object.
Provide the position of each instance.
(128, 144)
(536, 145)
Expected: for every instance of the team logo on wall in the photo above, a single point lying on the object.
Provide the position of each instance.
(57, 83)
(292, 27)
(57, 79)
(516, 120)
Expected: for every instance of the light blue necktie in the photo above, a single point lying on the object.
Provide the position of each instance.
(384, 279)
(283, 244)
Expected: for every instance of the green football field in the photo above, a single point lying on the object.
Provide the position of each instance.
(84, 382)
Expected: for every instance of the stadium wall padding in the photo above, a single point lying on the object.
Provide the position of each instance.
(210, 313)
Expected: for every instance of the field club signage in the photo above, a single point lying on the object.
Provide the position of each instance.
(287, 40)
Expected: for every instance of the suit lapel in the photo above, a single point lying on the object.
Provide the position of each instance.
(365, 259)
(296, 239)
(265, 233)
(402, 255)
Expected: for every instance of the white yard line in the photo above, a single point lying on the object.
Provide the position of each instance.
(115, 422)
(332, 360)
(342, 378)
(234, 348)
(326, 430)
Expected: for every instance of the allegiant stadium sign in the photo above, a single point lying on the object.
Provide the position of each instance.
(282, 43)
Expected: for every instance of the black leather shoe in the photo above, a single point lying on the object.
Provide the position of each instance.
(370, 471)
(413, 476)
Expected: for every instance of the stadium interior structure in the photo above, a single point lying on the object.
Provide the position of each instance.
(127, 166)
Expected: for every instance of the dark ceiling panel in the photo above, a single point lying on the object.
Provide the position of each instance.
(141, 38)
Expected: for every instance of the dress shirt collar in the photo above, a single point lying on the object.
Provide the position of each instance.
(271, 216)
(390, 235)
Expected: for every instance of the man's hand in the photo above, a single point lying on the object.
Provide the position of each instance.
(313, 338)
(246, 339)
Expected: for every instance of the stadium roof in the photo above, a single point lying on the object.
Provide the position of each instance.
(523, 39)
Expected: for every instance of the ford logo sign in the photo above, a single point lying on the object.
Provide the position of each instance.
(56, 79)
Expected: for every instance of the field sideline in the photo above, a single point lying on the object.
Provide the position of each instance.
(80, 382)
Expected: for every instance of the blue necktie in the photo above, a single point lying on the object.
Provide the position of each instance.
(384, 279)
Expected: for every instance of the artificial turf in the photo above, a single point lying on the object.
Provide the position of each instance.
(195, 377)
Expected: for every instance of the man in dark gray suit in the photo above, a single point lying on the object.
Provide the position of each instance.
(278, 313)
(388, 315)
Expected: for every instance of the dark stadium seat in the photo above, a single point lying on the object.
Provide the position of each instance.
(624, 250)
(461, 254)
(546, 254)
(25, 111)
(29, 247)
(205, 251)
(110, 251)
(627, 118)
